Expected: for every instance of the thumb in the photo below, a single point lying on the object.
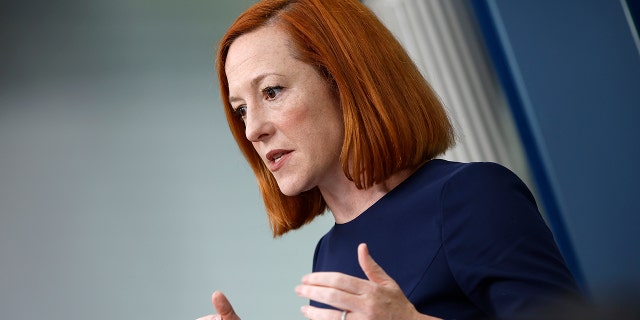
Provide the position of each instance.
(223, 306)
(371, 269)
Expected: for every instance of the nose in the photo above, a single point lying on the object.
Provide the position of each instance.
(258, 126)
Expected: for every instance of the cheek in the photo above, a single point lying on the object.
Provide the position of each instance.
(297, 115)
(296, 124)
(316, 120)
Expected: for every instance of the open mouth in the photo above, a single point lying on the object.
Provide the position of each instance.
(276, 156)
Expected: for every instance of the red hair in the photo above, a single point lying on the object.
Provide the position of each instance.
(393, 120)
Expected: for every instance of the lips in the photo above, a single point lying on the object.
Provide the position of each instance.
(276, 158)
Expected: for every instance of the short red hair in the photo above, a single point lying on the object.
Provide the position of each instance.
(393, 120)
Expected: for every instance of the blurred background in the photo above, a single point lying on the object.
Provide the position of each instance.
(123, 195)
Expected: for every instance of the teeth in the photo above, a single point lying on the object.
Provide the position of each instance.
(276, 157)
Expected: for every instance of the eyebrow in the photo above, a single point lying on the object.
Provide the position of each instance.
(254, 82)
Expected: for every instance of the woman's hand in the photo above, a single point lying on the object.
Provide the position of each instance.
(379, 298)
(223, 307)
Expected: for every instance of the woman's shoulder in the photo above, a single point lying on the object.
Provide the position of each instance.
(443, 171)
(485, 184)
(454, 167)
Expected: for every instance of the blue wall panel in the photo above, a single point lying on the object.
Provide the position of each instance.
(571, 70)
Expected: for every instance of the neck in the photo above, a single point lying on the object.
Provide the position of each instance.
(346, 202)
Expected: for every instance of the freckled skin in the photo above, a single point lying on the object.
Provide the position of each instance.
(302, 115)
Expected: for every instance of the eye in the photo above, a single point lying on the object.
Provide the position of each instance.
(271, 92)
(240, 112)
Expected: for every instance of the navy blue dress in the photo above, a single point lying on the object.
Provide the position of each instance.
(463, 241)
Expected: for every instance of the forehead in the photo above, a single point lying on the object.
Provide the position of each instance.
(257, 52)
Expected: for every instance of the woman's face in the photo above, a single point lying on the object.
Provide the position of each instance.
(291, 116)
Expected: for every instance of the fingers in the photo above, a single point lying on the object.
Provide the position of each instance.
(334, 280)
(329, 296)
(336, 289)
(223, 307)
(371, 269)
(314, 313)
(340, 290)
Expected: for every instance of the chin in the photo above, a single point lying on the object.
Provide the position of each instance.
(291, 190)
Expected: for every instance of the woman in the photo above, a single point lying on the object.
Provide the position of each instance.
(331, 113)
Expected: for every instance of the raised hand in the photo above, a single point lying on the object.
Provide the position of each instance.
(223, 307)
(378, 298)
